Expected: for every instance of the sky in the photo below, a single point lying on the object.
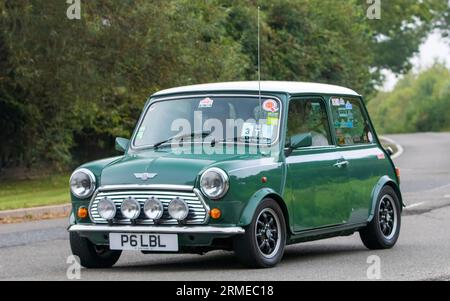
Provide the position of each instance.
(433, 47)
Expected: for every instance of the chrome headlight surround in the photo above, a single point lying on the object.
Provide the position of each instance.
(106, 208)
(153, 208)
(82, 178)
(130, 208)
(178, 209)
(214, 183)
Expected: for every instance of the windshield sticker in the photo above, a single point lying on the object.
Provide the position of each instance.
(140, 133)
(370, 137)
(348, 106)
(247, 130)
(345, 124)
(206, 103)
(270, 105)
(335, 101)
(341, 102)
(267, 131)
(272, 118)
(342, 112)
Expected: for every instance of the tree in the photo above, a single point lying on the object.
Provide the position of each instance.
(76, 84)
(418, 103)
(403, 26)
(68, 87)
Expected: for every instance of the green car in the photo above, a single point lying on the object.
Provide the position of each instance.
(243, 166)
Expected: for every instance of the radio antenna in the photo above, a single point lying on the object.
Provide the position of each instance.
(259, 63)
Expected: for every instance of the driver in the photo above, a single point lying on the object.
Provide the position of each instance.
(315, 124)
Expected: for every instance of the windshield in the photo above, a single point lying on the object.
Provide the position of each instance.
(211, 119)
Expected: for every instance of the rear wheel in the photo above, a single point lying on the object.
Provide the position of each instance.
(263, 243)
(91, 255)
(384, 229)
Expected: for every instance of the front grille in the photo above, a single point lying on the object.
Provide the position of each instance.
(197, 208)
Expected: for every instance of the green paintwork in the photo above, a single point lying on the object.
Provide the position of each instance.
(319, 199)
(317, 192)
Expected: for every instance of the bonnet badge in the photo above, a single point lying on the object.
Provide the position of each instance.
(145, 176)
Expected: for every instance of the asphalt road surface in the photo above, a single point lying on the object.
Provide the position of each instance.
(39, 250)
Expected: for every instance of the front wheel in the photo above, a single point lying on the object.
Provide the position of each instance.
(92, 256)
(262, 245)
(384, 229)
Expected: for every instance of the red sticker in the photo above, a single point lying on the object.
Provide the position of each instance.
(206, 103)
(381, 156)
(270, 105)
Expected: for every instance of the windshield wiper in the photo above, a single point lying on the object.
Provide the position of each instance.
(234, 139)
(181, 137)
(240, 139)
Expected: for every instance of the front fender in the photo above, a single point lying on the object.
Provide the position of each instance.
(249, 210)
(97, 166)
(383, 181)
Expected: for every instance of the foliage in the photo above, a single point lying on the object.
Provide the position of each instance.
(419, 103)
(403, 26)
(68, 87)
(86, 81)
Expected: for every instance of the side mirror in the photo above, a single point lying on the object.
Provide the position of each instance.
(389, 150)
(122, 144)
(299, 140)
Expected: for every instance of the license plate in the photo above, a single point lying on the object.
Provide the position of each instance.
(143, 242)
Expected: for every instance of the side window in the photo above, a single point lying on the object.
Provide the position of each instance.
(349, 122)
(309, 116)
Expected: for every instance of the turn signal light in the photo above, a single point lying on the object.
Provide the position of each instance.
(82, 212)
(397, 172)
(215, 213)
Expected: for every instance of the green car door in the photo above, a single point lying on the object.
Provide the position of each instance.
(355, 139)
(317, 185)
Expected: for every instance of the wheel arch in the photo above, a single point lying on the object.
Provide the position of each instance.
(382, 182)
(262, 194)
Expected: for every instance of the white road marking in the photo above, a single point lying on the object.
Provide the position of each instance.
(447, 196)
(415, 205)
(398, 146)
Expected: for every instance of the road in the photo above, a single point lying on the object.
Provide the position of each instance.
(39, 250)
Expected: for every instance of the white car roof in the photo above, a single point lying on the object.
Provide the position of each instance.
(266, 86)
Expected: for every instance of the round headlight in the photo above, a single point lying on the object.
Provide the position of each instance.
(82, 183)
(131, 209)
(214, 183)
(153, 208)
(106, 208)
(178, 209)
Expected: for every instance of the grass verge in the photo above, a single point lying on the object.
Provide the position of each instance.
(51, 190)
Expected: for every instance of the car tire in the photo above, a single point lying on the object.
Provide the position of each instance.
(262, 245)
(384, 229)
(91, 255)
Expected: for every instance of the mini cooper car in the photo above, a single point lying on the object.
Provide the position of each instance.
(243, 166)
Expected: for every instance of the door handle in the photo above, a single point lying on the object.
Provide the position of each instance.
(341, 164)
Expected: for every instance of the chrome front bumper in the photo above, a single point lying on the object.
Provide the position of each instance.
(157, 229)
